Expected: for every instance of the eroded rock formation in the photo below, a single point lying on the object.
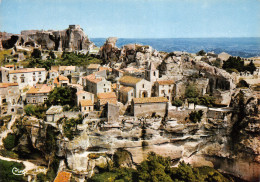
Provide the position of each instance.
(71, 39)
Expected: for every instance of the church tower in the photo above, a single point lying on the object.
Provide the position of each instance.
(151, 73)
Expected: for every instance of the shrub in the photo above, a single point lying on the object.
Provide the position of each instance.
(195, 116)
(201, 53)
(35, 110)
(191, 91)
(9, 141)
(177, 102)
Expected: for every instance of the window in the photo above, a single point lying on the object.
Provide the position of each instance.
(52, 74)
(162, 91)
(33, 73)
(89, 108)
(34, 100)
(143, 85)
(85, 108)
(169, 90)
(105, 90)
(40, 79)
(104, 85)
(34, 79)
(132, 94)
(83, 97)
(40, 73)
(22, 80)
(154, 73)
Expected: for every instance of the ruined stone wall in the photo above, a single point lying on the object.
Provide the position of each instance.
(149, 109)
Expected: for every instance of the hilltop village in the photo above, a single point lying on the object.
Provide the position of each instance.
(65, 101)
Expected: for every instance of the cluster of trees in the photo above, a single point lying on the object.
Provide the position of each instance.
(70, 126)
(67, 59)
(236, 64)
(6, 171)
(196, 116)
(157, 168)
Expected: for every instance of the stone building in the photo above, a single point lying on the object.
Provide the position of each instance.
(92, 68)
(104, 98)
(149, 106)
(10, 98)
(142, 87)
(83, 95)
(96, 84)
(27, 76)
(86, 105)
(164, 88)
(53, 74)
(61, 81)
(38, 94)
(125, 94)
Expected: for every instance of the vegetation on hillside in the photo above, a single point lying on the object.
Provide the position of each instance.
(36, 110)
(196, 116)
(157, 168)
(6, 171)
(67, 59)
(62, 96)
(236, 64)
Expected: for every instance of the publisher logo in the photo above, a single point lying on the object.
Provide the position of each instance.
(17, 171)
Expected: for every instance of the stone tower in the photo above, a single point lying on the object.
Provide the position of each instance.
(151, 73)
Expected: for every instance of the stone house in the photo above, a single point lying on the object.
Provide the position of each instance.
(164, 88)
(92, 68)
(104, 98)
(83, 95)
(10, 98)
(61, 81)
(27, 76)
(149, 106)
(39, 94)
(67, 70)
(53, 74)
(142, 87)
(52, 112)
(125, 94)
(86, 105)
(96, 84)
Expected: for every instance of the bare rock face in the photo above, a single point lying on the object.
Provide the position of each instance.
(71, 39)
(131, 53)
(109, 52)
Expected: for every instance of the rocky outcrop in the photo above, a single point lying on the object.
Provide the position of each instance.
(131, 53)
(71, 39)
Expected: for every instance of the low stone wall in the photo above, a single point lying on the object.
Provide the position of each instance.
(56, 117)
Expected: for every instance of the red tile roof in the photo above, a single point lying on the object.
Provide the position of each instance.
(92, 78)
(5, 85)
(149, 100)
(86, 103)
(27, 70)
(63, 177)
(165, 82)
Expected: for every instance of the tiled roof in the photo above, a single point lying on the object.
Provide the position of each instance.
(149, 100)
(86, 103)
(5, 85)
(129, 79)
(105, 68)
(63, 78)
(43, 89)
(63, 177)
(27, 70)
(165, 82)
(93, 66)
(125, 89)
(109, 97)
(9, 66)
(106, 95)
(80, 92)
(54, 110)
(92, 78)
(63, 68)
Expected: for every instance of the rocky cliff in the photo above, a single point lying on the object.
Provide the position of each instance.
(71, 39)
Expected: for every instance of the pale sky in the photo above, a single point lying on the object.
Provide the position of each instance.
(136, 18)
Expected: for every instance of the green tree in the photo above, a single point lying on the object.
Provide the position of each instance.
(250, 67)
(234, 63)
(201, 53)
(62, 96)
(6, 171)
(195, 116)
(9, 141)
(177, 102)
(36, 53)
(191, 91)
